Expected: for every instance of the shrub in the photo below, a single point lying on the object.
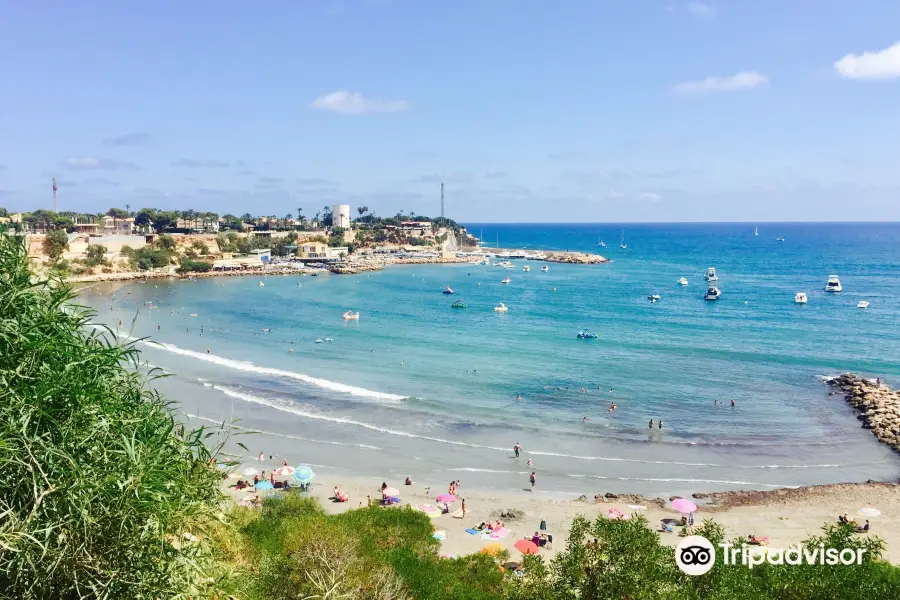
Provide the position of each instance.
(97, 487)
(194, 266)
(55, 243)
(95, 254)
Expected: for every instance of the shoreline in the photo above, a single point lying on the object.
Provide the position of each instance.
(786, 515)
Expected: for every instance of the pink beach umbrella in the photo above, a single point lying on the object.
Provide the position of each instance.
(282, 471)
(683, 505)
(446, 498)
(429, 509)
(390, 492)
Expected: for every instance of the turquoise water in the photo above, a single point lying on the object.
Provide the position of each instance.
(415, 387)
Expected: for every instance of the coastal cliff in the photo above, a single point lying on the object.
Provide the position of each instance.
(877, 404)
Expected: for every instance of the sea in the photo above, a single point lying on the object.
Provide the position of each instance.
(417, 388)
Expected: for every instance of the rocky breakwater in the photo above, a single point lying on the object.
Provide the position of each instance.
(577, 258)
(356, 267)
(877, 404)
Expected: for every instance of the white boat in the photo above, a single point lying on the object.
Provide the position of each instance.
(653, 297)
(502, 263)
(683, 281)
(833, 284)
(318, 341)
(261, 284)
(862, 304)
(756, 231)
(545, 268)
(501, 308)
(526, 268)
(622, 243)
(799, 298)
(351, 316)
(712, 293)
(710, 274)
(602, 244)
(506, 280)
(779, 239)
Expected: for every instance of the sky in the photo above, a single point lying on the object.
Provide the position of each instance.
(527, 110)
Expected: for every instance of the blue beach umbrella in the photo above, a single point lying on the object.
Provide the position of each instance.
(304, 475)
(263, 486)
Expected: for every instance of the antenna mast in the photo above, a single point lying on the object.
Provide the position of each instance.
(55, 188)
(442, 199)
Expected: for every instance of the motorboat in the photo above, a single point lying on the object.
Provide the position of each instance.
(622, 243)
(526, 268)
(261, 284)
(329, 339)
(799, 298)
(712, 293)
(459, 304)
(545, 268)
(503, 263)
(862, 304)
(683, 281)
(653, 297)
(351, 316)
(602, 244)
(501, 308)
(779, 239)
(318, 341)
(447, 290)
(584, 334)
(756, 231)
(833, 284)
(506, 280)
(710, 274)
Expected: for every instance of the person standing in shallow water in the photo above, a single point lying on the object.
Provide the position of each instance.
(516, 449)
(533, 480)
(651, 424)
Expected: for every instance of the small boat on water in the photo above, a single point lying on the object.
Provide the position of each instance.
(602, 244)
(800, 298)
(526, 268)
(779, 239)
(328, 339)
(756, 231)
(351, 316)
(586, 334)
(862, 304)
(710, 274)
(318, 341)
(501, 308)
(261, 284)
(833, 284)
(712, 293)
(545, 268)
(683, 281)
(622, 243)
(447, 290)
(459, 304)
(653, 297)
(506, 280)
(265, 330)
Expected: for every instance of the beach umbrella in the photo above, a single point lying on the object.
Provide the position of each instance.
(263, 485)
(492, 549)
(429, 509)
(304, 475)
(282, 471)
(526, 547)
(869, 511)
(683, 506)
(391, 492)
(446, 498)
(250, 472)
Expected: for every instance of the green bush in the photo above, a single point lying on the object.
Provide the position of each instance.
(95, 254)
(55, 243)
(97, 486)
(194, 266)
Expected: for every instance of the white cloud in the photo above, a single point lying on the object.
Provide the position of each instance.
(701, 10)
(93, 162)
(351, 103)
(741, 81)
(649, 197)
(883, 64)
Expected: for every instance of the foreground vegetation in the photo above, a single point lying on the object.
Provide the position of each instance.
(98, 487)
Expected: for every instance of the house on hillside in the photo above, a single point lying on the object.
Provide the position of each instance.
(114, 226)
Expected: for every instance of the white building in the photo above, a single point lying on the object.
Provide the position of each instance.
(340, 215)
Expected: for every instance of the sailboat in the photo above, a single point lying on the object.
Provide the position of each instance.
(601, 243)
(622, 243)
(756, 231)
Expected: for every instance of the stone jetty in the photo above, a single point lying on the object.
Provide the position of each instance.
(577, 258)
(877, 404)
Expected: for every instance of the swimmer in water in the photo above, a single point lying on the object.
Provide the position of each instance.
(651, 424)
(529, 462)
(584, 419)
(612, 407)
(518, 397)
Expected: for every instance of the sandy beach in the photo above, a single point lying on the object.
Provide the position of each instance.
(786, 516)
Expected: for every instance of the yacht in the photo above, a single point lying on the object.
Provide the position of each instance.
(501, 307)
(862, 304)
(506, 280)
(710, 274)
(833, 284)
(799, 298)
(526, 268)
(653, 297)
(683, 281)
(712, 293)
(545, 268)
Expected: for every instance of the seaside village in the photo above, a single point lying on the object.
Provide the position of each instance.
(123, 244)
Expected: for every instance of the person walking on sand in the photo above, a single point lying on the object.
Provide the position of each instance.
(516, 449)
(464, 508)
(533, 480)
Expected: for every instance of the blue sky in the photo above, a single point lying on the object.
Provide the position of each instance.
(604, 110)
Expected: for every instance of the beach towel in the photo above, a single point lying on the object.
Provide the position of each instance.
(440, 535)
(472, 532)
(457, 515)
(500, 533)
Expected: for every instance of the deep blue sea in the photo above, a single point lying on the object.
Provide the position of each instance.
(415, 387)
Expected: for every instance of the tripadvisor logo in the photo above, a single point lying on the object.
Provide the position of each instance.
(696, 555)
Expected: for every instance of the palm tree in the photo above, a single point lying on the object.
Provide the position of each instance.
(128, 209)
